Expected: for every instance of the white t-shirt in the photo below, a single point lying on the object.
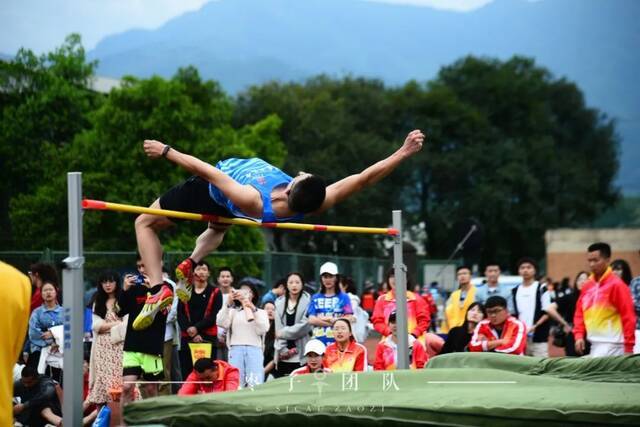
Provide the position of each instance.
(526, 302)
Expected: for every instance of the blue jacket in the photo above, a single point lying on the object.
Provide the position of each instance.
(41, 320)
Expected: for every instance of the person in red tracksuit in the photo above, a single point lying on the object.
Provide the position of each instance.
(313, 351)
(210, 376)
(501, 332)
(387, 350)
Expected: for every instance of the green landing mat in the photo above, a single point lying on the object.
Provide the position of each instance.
(463, 389)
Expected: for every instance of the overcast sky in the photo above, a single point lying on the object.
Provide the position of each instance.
(41, 25)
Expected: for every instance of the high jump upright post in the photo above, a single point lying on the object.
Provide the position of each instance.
(400, 275)
(73, 291)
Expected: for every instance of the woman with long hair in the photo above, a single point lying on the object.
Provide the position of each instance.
(622, 269)
(105, 365)
(459, 336)
(292, 326)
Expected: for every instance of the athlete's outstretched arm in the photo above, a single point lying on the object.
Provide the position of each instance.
(344, 188)
(243, 196)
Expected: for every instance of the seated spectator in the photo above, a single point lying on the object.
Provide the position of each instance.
(43, 318)
(38, 399)
(345, 354)
(313, 351)
(501, 332)
(277, 290)
(246, 326)
(210, 376)
(387, 350)
(459, 337)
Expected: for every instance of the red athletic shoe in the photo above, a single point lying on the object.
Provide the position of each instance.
(184, 274)
(154, 304)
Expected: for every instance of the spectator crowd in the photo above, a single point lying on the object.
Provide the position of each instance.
(227, 336)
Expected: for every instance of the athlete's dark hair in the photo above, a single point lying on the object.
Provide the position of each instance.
(307, 195)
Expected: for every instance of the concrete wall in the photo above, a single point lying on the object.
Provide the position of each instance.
(567, 249)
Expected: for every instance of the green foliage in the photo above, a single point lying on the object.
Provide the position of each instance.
(508, 144)
(191, 114)
(44, 103)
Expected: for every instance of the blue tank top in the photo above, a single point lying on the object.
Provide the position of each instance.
(260, 175)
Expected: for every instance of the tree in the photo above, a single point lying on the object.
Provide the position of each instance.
(514, 147)
(191, 114)
(44, 102)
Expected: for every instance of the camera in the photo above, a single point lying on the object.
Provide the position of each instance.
(139, 279)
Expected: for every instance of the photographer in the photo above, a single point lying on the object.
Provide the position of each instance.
(246, 326)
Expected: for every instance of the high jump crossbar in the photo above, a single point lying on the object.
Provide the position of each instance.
(118, 207)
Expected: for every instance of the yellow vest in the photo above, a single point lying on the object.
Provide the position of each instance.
(453, 313)
(14, 318)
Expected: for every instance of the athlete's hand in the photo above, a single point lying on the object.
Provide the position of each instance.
(153, 148)
(413, 142)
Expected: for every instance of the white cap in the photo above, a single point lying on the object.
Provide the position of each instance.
(329, 268)
(314, 346)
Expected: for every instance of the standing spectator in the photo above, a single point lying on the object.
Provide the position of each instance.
(43, 318)
(210, 376)
(417, 310)
(604, 312)
(171, 348)
(197, 317)
(635, 293)
(428, 298)
(345, 354)
(360, 329)
(572, 299)
(292, 326)
(459, 337)
(387, 350)
(142, 349)
(246, 326)
(328, 305)
(621, 268)
(369, 300)
(531, 306)
(225, 282)
(269, 340)
(16, 295)
(105, 363)
(39, 400)
(458, 303)
(41, 273)
(313, 352)
(501, 332)
(276, 291)
(493, 286)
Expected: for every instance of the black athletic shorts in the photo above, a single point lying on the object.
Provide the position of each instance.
(192, 196)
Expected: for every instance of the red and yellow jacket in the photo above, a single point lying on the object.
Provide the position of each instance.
(228, 380)
(605, 312)
(353, 359)
(387, 351)
(513, 330)
(418, 317)
(305, 370)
